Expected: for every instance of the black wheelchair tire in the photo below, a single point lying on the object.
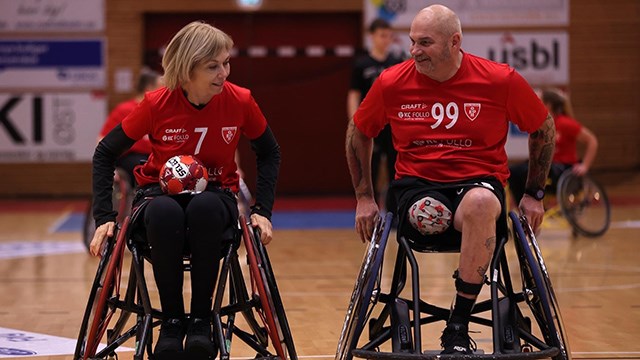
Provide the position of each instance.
(562, 190)
(546, 311)
(367, 277)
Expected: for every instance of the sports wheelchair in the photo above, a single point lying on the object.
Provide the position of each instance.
(583, 202)
(525, 318)
(115, 314)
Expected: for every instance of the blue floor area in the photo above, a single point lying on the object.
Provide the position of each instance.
(282, 220)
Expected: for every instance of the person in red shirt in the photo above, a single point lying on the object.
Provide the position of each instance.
(148, 80)
(199, 113)
(569, 134)
(449, 113)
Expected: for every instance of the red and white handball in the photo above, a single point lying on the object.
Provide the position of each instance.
(183, 174)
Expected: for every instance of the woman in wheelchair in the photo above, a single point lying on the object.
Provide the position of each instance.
(569, 135)
(451, 165)
(197, 113)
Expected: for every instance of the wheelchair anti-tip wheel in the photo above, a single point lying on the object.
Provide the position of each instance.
(537, 284)
(99, 313)
(263, 283)
(121, 199)
(584, 204)
(365, 291)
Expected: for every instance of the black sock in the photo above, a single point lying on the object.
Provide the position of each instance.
(462, 310)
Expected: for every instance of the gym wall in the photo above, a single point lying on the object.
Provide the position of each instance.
(304, 96)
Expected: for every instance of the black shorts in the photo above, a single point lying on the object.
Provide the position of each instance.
(411, 189)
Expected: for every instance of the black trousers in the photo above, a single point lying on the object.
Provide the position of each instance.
(193, 224)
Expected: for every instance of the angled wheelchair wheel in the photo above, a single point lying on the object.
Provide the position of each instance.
(100, 309)
(539, 294)
(121, 198)
(584, 203)
(366, 290)
(263, 283)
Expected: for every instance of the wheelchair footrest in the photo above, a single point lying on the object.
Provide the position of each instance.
(435, 355)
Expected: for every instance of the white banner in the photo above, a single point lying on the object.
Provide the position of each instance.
(60, 127)
(475, 13)
(52, 15)
(60, 63)
(541, 57)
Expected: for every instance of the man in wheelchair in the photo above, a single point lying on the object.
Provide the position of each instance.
(198, 113)
(449, 113)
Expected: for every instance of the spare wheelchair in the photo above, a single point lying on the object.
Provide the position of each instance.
(525, 318)
(116, 314)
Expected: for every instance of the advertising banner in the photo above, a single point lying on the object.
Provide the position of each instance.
(41, 64)
(51, 16)
(475, 13)
(54, 127)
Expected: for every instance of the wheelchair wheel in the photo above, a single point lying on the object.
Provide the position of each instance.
(121, 198)
(584, 204)
(537, 284)
(366, 290)
(264, 284)
(105, 290)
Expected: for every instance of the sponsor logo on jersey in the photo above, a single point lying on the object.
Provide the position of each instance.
(228, 133)
(472, 110)
(458, 143)
(175, 131)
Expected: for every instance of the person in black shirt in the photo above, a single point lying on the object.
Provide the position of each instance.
(366, 69)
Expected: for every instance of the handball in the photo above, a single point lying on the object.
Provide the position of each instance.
(183, 174)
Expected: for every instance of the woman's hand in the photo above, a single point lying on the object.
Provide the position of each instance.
(102, 233)
(266, 229)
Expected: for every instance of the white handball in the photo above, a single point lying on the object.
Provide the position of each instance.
(183, 174)
(430, 216)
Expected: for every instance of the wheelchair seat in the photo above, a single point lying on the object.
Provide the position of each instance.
(265, 329)
(525, 320)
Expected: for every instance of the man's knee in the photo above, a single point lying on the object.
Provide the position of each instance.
(478, 204)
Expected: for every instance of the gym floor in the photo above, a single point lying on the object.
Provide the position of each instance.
(46, 274)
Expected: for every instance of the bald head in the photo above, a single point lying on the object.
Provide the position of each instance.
(439, 18)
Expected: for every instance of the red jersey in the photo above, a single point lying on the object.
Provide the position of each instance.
(567, 130)
(142, 146)
(453, 130)
(211, 134)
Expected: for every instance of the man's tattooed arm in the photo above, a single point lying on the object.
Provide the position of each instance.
(542, 143)
(358, 149)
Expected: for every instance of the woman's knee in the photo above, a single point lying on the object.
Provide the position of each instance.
(207, 209)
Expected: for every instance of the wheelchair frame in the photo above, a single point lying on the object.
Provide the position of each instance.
(105, 301)
(514, 336)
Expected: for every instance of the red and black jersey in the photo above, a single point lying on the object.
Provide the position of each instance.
(453, 130)
(142, 146)
(567, 130)
(211, 133)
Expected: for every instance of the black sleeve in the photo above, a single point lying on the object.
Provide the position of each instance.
(104, 163)
(268, 160)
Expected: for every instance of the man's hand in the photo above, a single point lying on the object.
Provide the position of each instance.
(367, 213)
(266, 229)
(103, 232)
(533, 210)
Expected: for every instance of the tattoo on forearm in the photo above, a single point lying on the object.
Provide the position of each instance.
(355, 160)
(541, 146)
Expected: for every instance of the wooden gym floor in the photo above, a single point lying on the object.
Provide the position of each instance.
(45, 278)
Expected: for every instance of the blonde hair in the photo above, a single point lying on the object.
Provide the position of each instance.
(193, 44)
